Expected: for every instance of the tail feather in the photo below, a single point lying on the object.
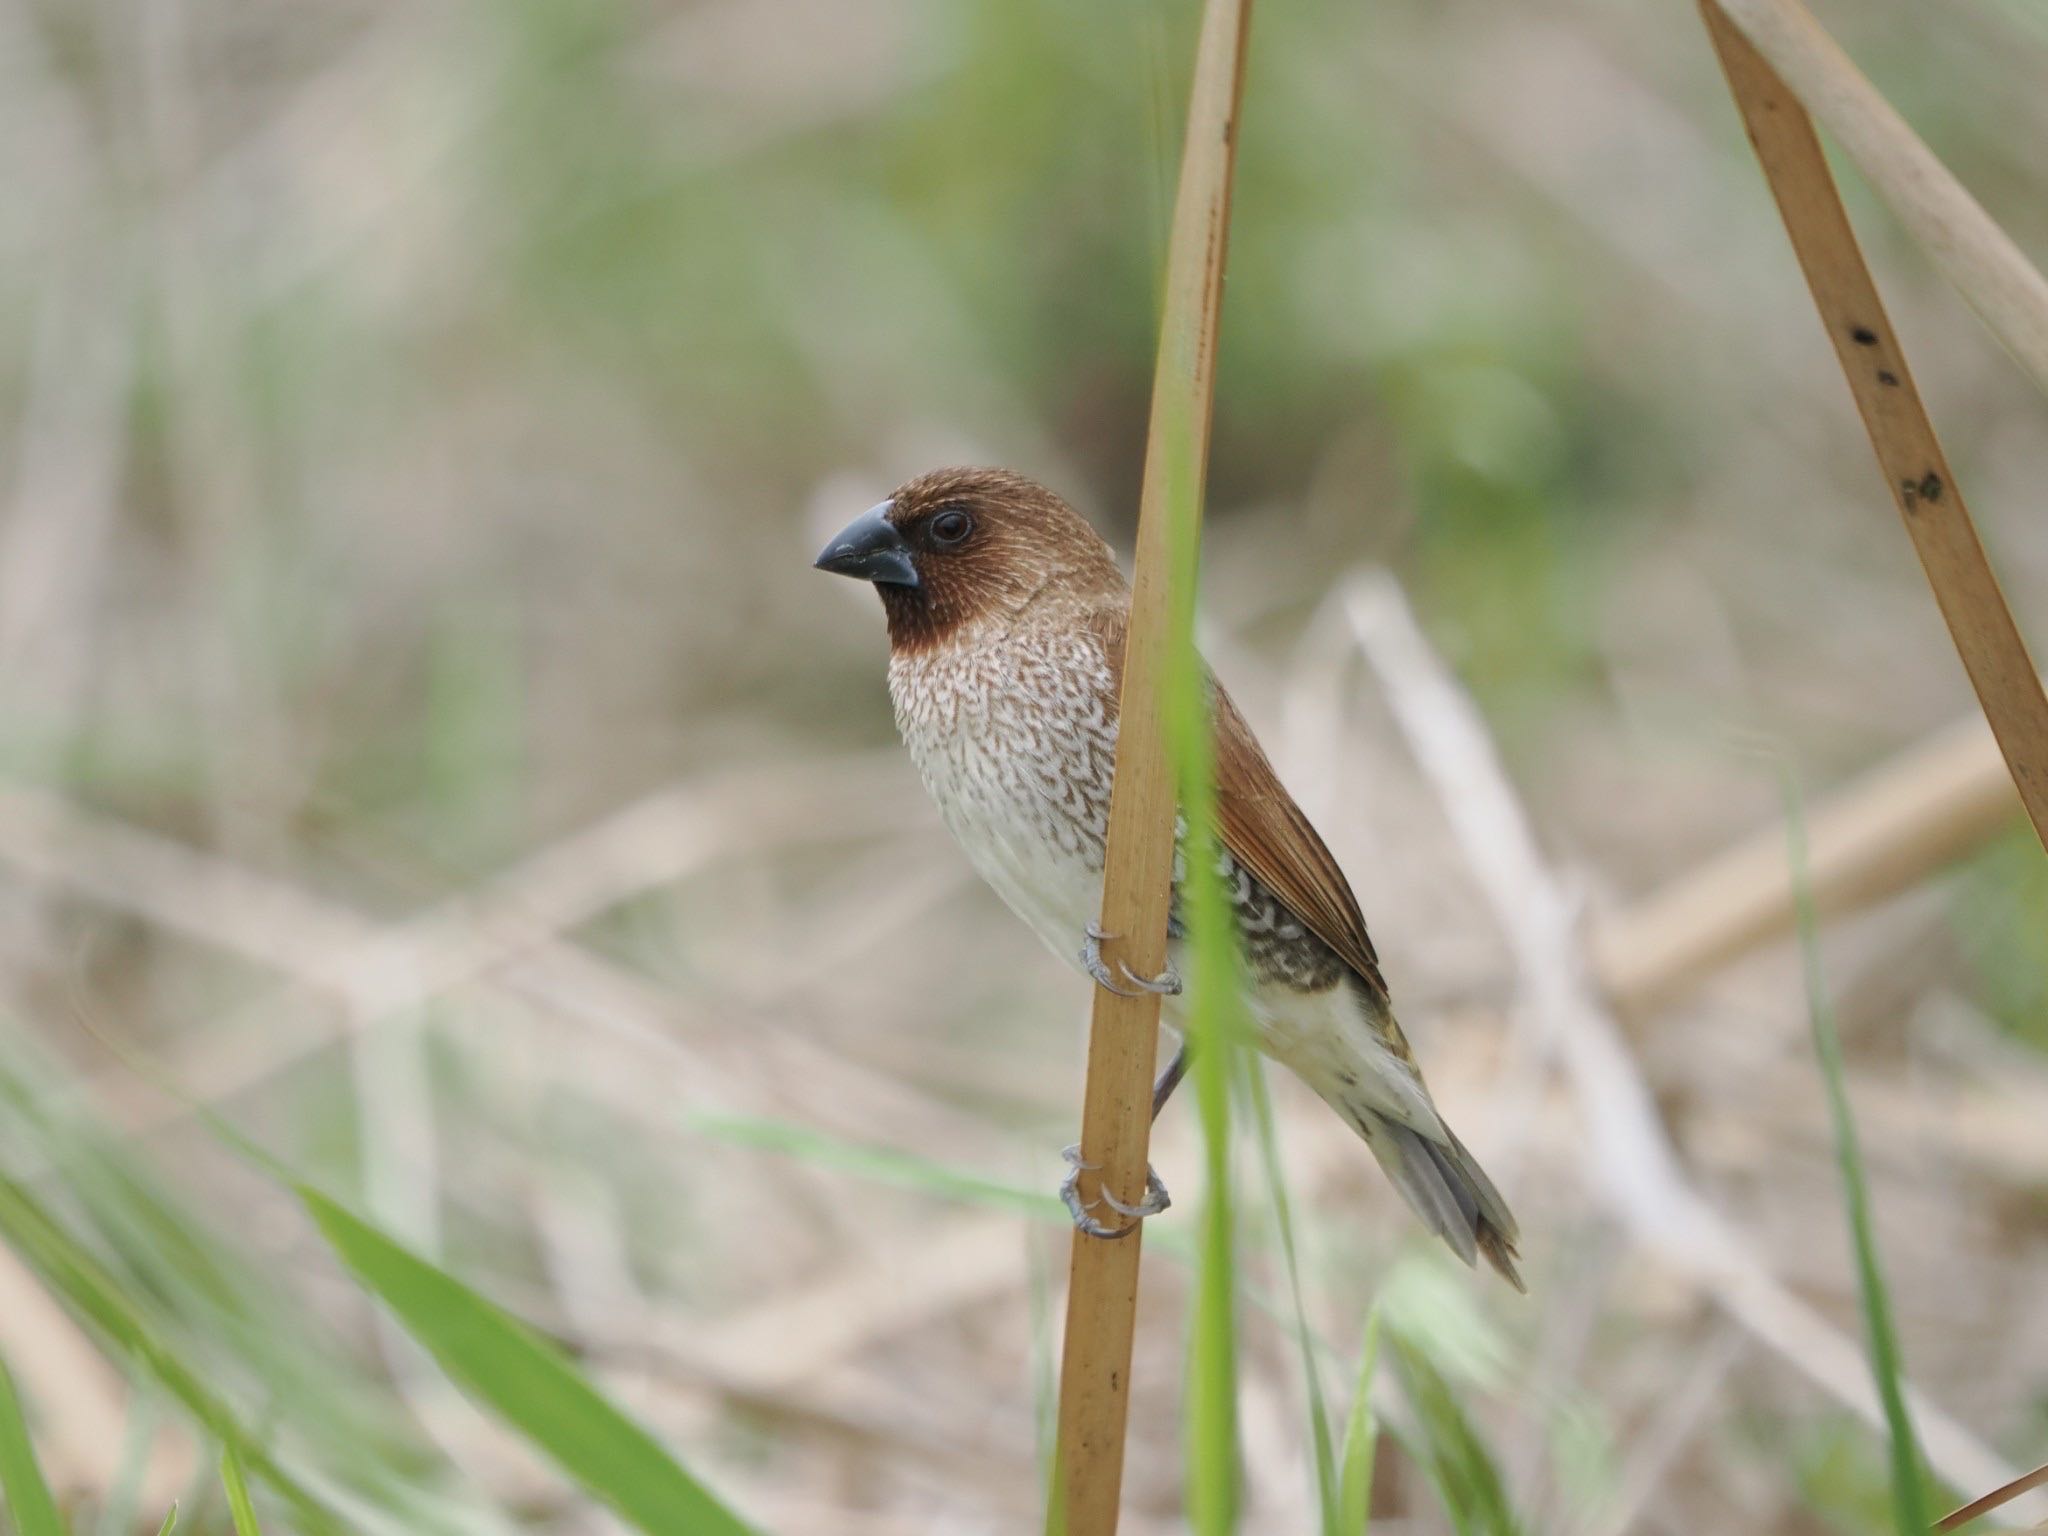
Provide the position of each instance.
(1345, 1045)
(1448, 1189)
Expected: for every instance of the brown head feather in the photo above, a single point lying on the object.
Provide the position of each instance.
(1023, 548)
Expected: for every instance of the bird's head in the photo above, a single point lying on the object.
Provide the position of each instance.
(957, 547)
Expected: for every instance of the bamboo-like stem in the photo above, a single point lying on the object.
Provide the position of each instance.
(1095, 1373)
(1921, 483)
(1987, 268)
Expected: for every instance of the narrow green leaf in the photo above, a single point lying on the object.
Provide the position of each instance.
(527, 1382)
(1304, 1338)
(1176, 468)
(75, 1274)
(1056, 1498)
(21, 1480)
(883, 1165)
(1453, 1452)
(1361, 1440)
(1433, 1308)
(1909, 1487)
(1045, 1384)
(170, 1522)
(1213, 1026)
(237, 1485)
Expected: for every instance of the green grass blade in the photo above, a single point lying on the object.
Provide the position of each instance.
(28, 1497)
(527, 1382)
(1361, 1440)
(1212, 1431)
(1909, 1487)
(882, 1165)
(187, 1308)
(1045, 1384)
(1452, 1451)
(237, 1484)
(1212, 1434)
(1304, 1339)
(170, 1522)
(1213, 1029)
(78, 1277)
(1056, 1498)
(908, 1170)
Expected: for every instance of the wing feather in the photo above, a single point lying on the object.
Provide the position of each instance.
(1267, 833)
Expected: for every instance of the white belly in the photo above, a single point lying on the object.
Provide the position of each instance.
(1016, 745)
(1048, 883)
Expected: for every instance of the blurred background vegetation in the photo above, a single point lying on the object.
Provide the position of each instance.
(428, 751)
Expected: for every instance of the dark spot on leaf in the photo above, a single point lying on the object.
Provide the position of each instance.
(1863, 336)
(1886, 377)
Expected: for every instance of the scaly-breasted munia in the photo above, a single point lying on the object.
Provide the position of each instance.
(1006, 620)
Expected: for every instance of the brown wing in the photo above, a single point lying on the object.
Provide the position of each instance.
(1267, 833)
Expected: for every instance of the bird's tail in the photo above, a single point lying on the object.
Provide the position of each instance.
(1448, 1190)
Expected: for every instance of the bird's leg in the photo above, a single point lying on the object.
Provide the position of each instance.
(1169, 1080)
(1166, 983)
(1156, 1199)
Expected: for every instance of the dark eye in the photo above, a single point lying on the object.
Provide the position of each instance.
(951, 526)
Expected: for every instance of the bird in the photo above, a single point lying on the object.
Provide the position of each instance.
(1006, 616)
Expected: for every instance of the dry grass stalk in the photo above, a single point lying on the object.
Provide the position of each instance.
(1630, 1163)
(2009, 295)
(1955, 1520)
(1872, 838)
(1123, 1036)
(1919, 477)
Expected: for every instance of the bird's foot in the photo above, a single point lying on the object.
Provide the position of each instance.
(1156, 1199)
(1165, 984)
(1093, 963)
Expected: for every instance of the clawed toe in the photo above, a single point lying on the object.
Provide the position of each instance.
(1097, 967)
(1156, 1199)
(1165, 984)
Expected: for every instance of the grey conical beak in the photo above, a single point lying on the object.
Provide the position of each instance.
(870, 549)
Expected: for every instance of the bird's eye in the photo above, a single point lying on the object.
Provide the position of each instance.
(951, 526)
